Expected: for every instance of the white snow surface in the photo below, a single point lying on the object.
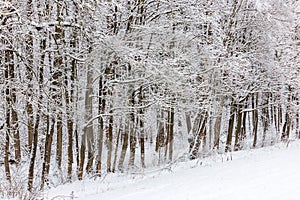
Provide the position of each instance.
(271, 173)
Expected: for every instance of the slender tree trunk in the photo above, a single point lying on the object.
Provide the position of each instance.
(168, 135)
(88, 129)
(142, 144)
(59, 144)
(101, 110)
(279, 116)
(238, 130)
(133, 142)
(57, 76)
(89, 113)
(218, 123)
(116, 151)
(77, 150)
(217, 130)
(287, 124)
(244, 123)
(50, 127)
(265, 118)
(82, 156)
(70, 141)
(29, 76)
(194, 137)
(34, 151)
(171, 130)
(255, 118)
(188, 122)
(230, 127)
(7, 142)
(100, 146)
(142, 131)
(160, 137)
(109, 129)
(47, 152)
(8, 60)
(109, 141)
(200, 134)
(14, 127)
(132, 129)
(124, 148)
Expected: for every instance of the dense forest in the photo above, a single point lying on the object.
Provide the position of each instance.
(90, 87)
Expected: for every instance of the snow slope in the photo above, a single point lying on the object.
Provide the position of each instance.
(269, 173)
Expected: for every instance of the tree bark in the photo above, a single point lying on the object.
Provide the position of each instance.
(171, 130)
(230, 127)
(142, 131)
(109, 142)
(116, 151)
(101, 110)
(132, 129)
(88, 129)
(34, 151)
(47, 152)
(57, 77)
(199, 137)
(238, 130)
(124, 148)
(255, 118)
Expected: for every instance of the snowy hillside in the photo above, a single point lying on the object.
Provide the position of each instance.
(269, 173)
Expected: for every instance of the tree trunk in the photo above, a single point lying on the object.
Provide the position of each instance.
(101, 110)
(59, 144)
(244, 122)
(124, 148)
(109, 141)
(255, 118)
(7, 142)
(116, 151)
(142, 131)
(82, 157)
(199, 136)
(58, 67)
(160, 137)
(47, 152)
(287, 124)
(188, 122)
(132, 146)
(7, 117)
(70, 147)
(34, 151)
(230, 127)
(238, 130)
(217, 128)
(171, 133)
(132, 129)
(89, 128)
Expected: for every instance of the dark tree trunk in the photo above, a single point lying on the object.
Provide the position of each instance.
(109, 136)
(230, 127)
(124, 148)
(200, 134)
(238, 130)
(33, 156)
(47, 152)
(255, 118)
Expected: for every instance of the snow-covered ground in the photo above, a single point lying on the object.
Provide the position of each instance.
(268, 173)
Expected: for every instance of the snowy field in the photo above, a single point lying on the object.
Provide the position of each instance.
(271, 173)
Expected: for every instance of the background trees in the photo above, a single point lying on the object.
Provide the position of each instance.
(90, 87)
